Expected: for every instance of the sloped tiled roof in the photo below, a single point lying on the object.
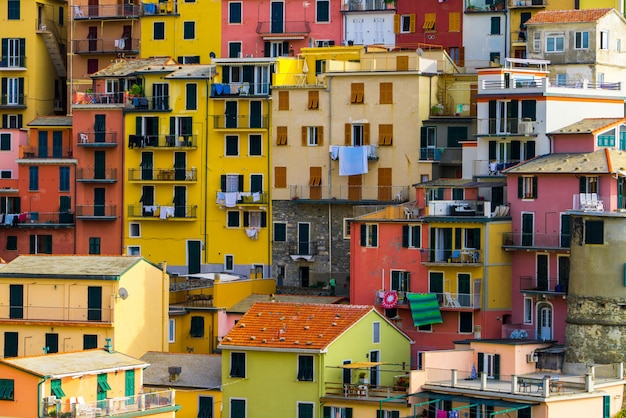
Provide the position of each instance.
(276, 325)
(244, 305)
(52, 121)
(83, 266)
(126, 67)
(567, 16)
(603, 161)
(201, 371)
(589, 126)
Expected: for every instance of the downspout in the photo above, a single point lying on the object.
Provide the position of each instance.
(206, 170)
(269, 182)
(330, 141)
(165, 308)
(40, 397)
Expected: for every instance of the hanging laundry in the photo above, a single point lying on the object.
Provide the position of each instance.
(352, 161)
(334, 152)
(230, 199)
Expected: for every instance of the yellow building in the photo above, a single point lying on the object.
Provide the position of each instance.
(186, 30)
(197, 379)
(67, 303)
(83, 383)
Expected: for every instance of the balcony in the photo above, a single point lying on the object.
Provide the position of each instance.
(481, 6)
(543, 285)
(339, 194)
(232, 199)
(492, 167)
(288, 28)
(96, 212)
(106, 46)
(520, 4)
(162, 212)
(534, 241)
(245, 89)
(505, 126)
(163, 174)
(458, 301)
(97, 139)
(136, 405)
(402, 300)
(460, 208)
(96, 175)
(169, 7)
(106, 11)
(32, 313)
(149, 103)
(367, 5)
(32, 152)
(85, 98)
(445, 156)
(461, 257)
(38, 219)
(12, 101)
(302, 248)
(162, 141)
(366, 392)
(529, 84)
(240, 122)
(13, 62)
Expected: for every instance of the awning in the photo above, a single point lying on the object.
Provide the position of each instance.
(361, 365)
(424, 308)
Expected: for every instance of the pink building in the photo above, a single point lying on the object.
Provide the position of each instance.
(276, 28)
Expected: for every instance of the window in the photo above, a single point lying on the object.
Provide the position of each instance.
(390, 414)
(12, 121)
(357, 91)
(94, 245)
(322, 11)
(554, 43)
(6, 388)
(14, 10)
(376, 332)
(406, 24)
(280, 231)
(588, 184)
(528, 310)
(189, 30)
(400, 280)
(6, 174)
(581, 40)
(604, 39)
(133, 250)
(61, 16)
(337, 412)
(197, 327)
(411, 236)
(305, 410)
(428, 144)
(12, 243)
(64, 179)
(527, 187)
(466, 322)
(232, 219)
(305, 368)
(41, 244)
(425, 328)
(103, 385)
(369, 235)
(347, 222)
(134, 230)
(234, 12)
(312, 136)
(594, 232)
(280, 177)
(232, 145)
(495, 25)
(13, 52)
(238, 365)
(237, 408)
(385, 134)
(385, 93)
(606, 406)
(314, 100)
(256, 183)
(255, 219)
(191, 102)
(171, 331)
(357, 134)
(229, 262)
(489, 364)
(90, 341)
(33, 178)
(5, 142)
(281, 135)
(254, 145)
(55, 388)
(283, 100)
(537, 41)
(158, 31)
(234, 50)
(188, 59)
(430, 20)
(454, 22)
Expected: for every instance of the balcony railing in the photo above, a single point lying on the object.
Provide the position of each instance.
(365, 392)
(97, 139)
(162, 141)
(239, 89)
(13, 62)
(459, 208)
(106, 212)
(29, 151)
(153, 103)
(465, 256)
(162, 212)
(492, 167)
(163, 174)
(402, 300)
(161, 8)
(55, 313)
(84, 98)
(125, 405)
(106, 11)
(505, 126)
(527, 3)
(107, 46)
(96, 175)
(543, 284)
(534, 240)
(430, 154)
(303, 248)
(240, 122)
(12, 100)
(288, 27)
(362, 5)
(449, 300)
(534, 85)
(231, 199)
(37, 219)
(305, 193)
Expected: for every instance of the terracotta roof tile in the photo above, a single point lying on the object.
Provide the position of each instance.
(293, 326)
(568, 16)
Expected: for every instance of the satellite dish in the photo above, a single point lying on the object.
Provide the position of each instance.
(419, 51)
(122, 293)
(212, 54)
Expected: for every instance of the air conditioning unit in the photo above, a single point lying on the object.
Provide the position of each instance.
(532, 358)
(525, 127)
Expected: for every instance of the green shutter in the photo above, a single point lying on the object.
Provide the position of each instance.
(363, 235)
(55, 388)
(606, 406)
(129, 385)
(327, 412)
(405, 236)
(496, 366)
(481, 362)
(535, 190)
(520, 187)
(191, 96)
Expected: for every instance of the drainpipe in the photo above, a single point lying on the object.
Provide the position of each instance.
(206, 170)
(269, 182)
(165, 307)
(40, 396)
(330, 141)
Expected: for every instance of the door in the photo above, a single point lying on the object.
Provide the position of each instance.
(303, 238)
(180, 201)
(545, 322)
(354, 187)
(94, 303)
(52, 343)
(99, 163)
(98, 201)
(180, 166)
(230, 114)
(99, 128)
(464, 290)
(161, 99)
(542, 272)
(384, 184)
(16, 301)
(277, 17)
(563, 274)
(347, 373)
(93, 7)
(57, 144)
(528, 225)
(374, 357)
(255, 114)
(146, 166)
(565, 230)
(92, 38)
(303, 272)
(42, 145)
(129, 386)
(194, 254)
(10, 344)
(126, 35)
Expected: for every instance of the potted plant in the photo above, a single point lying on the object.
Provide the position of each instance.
(363, 379)
(436, 109)
(135, 90)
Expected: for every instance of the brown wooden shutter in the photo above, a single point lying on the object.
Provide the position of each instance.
(396, 23)
(281, 135)
(402, 63)
(320, 135)
(348, 134)
(412, 23)
(366, 134)
(280, 177)
(305, 141)
(283, 100)
(384, 184)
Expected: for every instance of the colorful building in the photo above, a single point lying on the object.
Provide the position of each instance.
(325, 360)
(369, 22)
(82, 383)
(67, 303)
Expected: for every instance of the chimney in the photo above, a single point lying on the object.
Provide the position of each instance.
(174, 373)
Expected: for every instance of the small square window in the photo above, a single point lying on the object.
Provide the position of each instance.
(369, 235)
(347, 222)
(197, 327)
(233, 218)
(425, 328)
(7, 388)
(238, 365)
(189, 30)
(254, 145)
(594, 232)
(12, 243)
(466, 322)
(94, 245)
(134, 230)
(158, 31)
(5, 174)
(305, 368)
(232, 145)
(234, 12)
(5, 142)
(280, 231)
(229, 262)
(133, 250)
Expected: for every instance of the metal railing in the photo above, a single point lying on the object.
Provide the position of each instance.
(534, 240)
(303, 248)
(37, 219)
(12, 100)
(492, 167)
(106, 46)
(123, 405)
(505, 126)
(239, 89)
(160, 8)
(463, 256)
(29, 151)
(242, 198)
(86, 98)
(163, 174)
(92, 139)
(451, 300)
(154, 103)
(365, 391)
(96, 174)
(285, 27)
(162, 141)
(240, 122)
(362, 5)
(96, 211)
(398, 194)
(402, 300)
(544, 284)
(527, 3)
(56, 313)
(542, 84)
(162, 212)
(12, 61)
(106, 11)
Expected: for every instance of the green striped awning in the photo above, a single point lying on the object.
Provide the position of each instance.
(424, 308)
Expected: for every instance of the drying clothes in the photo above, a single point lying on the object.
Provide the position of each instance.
(230, 199)
(252, 233)
(167, 212)
(353, 160)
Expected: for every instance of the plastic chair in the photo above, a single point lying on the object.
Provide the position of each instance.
(450, 301)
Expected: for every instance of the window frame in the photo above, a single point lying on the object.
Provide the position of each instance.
(5, 141)
(318, 5)
(252, 149)
(411, 233)
(133, 250)
(229, 262)
(495, 26)
(158, 31)
(11, 243)
(527, 187)
(7, 389)
(300, 413)
(230, 219)
(347, 227)
(471, 331)
(197, 327)
(280, 236)
(376, 332)
(237, 358)
(239, 19)
(603, 39)
(581, 40)
(95, 245)
(13, 10)
(189, 30)
(312, 136)
(528, 311)
(134, 230)
(369, 238)
(171, 331)
(357, 93)
(33, 178)
(306, 372)
(229, 142)
(594, 232)
(552, 43)
(405, 23)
